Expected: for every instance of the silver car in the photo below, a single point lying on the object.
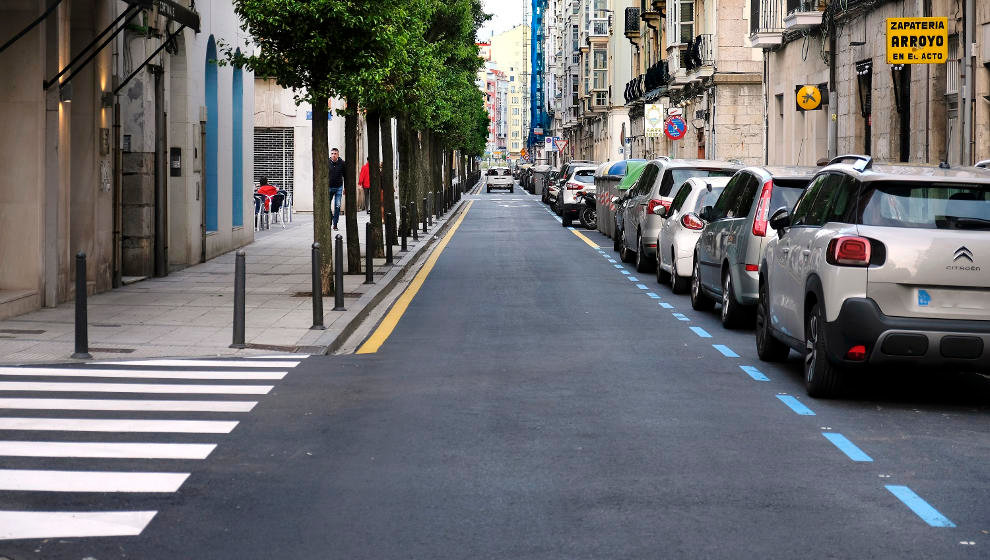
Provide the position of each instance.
(879, 264)
(640, 225)
(728, 254)
(681, 228)
(499, 178)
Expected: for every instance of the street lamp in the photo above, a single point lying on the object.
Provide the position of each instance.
(864, 77)
(899, 77)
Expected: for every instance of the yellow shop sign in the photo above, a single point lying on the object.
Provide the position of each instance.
(917, 40)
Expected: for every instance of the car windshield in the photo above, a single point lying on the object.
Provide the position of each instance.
(506, 172)
(585, 176)
(926, 205)
(786, 192)
(707, 198)
(678, 176)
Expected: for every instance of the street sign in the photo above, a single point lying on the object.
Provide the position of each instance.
(809, 97)
(653, 120)
(675, 112)
(549, 144)
(538, 131)
(923, 40)
(675, 127)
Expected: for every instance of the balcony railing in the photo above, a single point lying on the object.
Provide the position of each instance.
(803, 14)
(634, 89)
(656, 76)
(599, 24)
(632, 22)
(805, 6)
(766, 23)
(700, 52)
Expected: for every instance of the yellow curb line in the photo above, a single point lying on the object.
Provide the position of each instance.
(585, 239)
(390, 321)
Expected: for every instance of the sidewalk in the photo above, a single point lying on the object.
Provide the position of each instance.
(190, 312)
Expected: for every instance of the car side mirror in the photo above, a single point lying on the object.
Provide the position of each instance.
(660, 210)
(706, 213)
(616, 200)
(780, 221)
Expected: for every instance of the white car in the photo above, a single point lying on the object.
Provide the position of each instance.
(581, 180)
(499, 178)
(879, 265)
(681, 227)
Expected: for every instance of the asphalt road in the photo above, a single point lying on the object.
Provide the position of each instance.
(538, 400)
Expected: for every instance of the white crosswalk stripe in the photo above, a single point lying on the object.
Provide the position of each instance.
(46, 466)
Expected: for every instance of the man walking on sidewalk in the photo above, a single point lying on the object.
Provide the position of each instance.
(336, 183)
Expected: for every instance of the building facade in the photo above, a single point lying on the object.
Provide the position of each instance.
(509, 53)
(127, 141)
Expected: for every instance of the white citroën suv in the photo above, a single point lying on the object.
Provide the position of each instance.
(879, 265)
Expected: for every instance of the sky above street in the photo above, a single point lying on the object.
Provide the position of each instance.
(506, 14)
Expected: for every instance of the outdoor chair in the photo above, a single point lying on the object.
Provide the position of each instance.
(275, 208)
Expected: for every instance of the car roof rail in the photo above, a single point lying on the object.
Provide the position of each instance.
(862, 162)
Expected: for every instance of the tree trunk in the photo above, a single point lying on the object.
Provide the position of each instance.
(322, 213)
(373, 119)
(388, 182)
(449, 175)
(405, 175)
(350, 188)
(422, 156)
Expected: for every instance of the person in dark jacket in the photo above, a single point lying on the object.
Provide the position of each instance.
(336, 183)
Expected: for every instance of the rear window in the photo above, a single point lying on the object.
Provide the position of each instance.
(586, 176)
(506, 172)
(678, 176)
(786, 192)
(707, 198)
(926, 205)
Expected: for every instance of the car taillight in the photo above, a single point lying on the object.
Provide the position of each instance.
(849, 251)
(652, 205)
(857, 353)
(762, 209)
(752, 268)
(691, 221)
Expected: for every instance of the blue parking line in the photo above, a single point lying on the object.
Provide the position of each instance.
(847, 447)
(754, 373)
(640, 286)
(683, 317)
(666, 305)
(613, 261)
(725, 350)
(919, 506)
(624, 271)
(618, 266)
(652, 295)
(701, 332)
(796, 405)
(633, 279)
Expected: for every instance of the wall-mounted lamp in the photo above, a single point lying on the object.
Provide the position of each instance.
(65, 92)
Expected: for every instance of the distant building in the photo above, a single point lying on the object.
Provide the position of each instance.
(509, 51)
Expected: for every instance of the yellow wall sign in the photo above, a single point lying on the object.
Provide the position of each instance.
(808, 97)
(917, 40)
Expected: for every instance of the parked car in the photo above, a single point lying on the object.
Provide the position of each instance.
(615, 204)
(985, 164)
(499, 178)
(564, 175)
(727, 257)
(581, 180)
(879, 264)
(640, 226)
(680, 228)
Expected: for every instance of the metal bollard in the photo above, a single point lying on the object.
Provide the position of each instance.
(426, 212)
(338, 273)
(429, 214)
(414, 221)
(317, 290)
(388, 253)
(82, 326)
(369, 255)
(403, 227)
(239, 282)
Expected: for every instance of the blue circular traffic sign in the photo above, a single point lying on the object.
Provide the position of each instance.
(675, 127)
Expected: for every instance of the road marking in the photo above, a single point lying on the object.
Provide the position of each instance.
(392, 318)
(796, 405)
(754, 373)
(89, 481)
(652, 295)
(847, 447)
(666, 305)
(701, 332)
(203, 363)
(633, 279)
(618, 266)
(156, 406)
(134, 388)
(640, 286)
(143, 374)
(683, 317)
(106, 450)
(585, 238)
(276, 357)
(72, 524)
(919, 506)
(624, 271)
(118, 425)
(613, 261)
(725, 350)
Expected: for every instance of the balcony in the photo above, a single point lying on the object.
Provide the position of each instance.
(803, 14)
(598, 26)
(766, 27)
(634, 89)
(632, 25)
(649, 13)
(700, 56)
(657, 76)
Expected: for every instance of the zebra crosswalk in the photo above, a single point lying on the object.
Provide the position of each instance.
(45, 410)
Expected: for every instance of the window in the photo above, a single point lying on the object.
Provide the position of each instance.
(512, 89)
(601, 69)
(926, 205)
(744, 197)
(807, 200)
(680, 24)
(836, 201)
(785, 193)
(707, 198)
(645, 183)
(728, 197)
(515, 134)
(678, 176)
(680, 197)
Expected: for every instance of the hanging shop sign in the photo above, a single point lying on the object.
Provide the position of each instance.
(922, 40)
(808, 97)
(675, 127)
(653, 120)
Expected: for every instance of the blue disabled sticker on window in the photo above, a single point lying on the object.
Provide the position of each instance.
(923, 298)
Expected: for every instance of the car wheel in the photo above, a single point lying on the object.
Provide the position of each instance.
(624, 253)
(512, 190)
(662, 275)
(822, 378)
(733, 314)
(565, 222)
(642, 261)
(699, 300)
(617, 241)
(678, 284)
(768, 348)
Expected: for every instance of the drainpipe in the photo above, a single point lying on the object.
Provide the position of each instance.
(833, 98)
(161, 244)
(966, 89)
(766, 108)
